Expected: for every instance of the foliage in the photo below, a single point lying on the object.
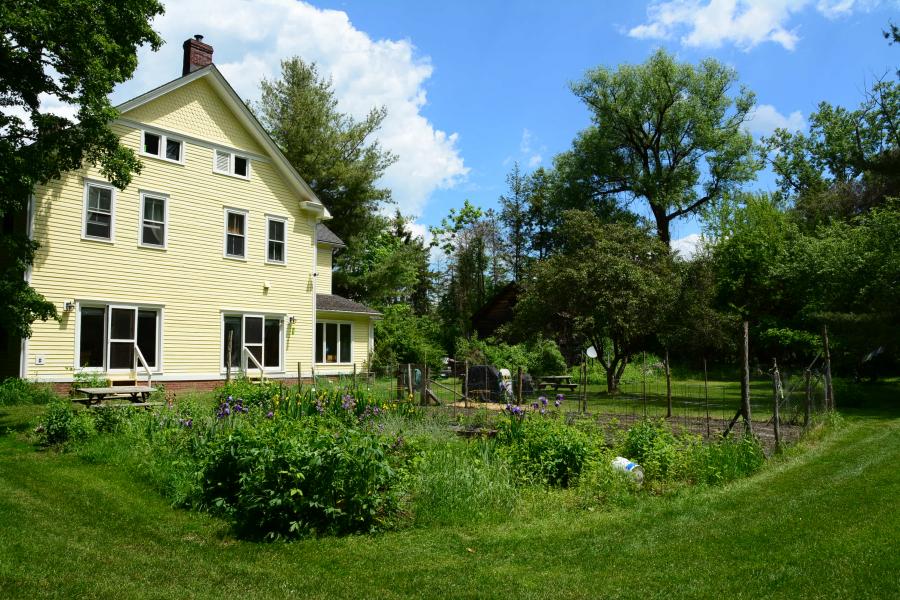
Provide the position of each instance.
(72, 52)
(20, 391)
(543, 449)
(289, 478)
(404, 337)
(514, 217)
(334, 152)
(609, 281)
(665, 132)
(666, 457)
(538, 357)
(62, 424)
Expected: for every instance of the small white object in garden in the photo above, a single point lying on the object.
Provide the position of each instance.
(620, 463)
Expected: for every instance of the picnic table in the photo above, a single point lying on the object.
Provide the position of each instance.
(137, 394)
(556, 382)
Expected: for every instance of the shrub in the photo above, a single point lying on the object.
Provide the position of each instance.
(652, 444)
(544, 358)
(20, 391)
(294, 477)
(62, 424)
(252, 394)
(544, 449)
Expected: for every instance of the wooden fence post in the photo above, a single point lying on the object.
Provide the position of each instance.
(668, 387)
(807, 405)
(230, 345)
(423, 394)
(745, 379)
(519, 391)
(706, 395)
(466, 383)
(299, 376)
(644, 383)
(829, 387)
(776, 418)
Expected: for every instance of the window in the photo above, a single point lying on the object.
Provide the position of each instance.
(107, 336)
(333, 343)
(98, 211)
(162, 146)
(235, 233)
(275, 240)
(259, 335)
(229, 163)
(153, 220)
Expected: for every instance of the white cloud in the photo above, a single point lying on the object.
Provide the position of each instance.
(529, 154)
(765, 119)
(744, 23)
(687, 246)
(250, 40)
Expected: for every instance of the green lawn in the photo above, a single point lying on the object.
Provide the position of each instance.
(820, 523)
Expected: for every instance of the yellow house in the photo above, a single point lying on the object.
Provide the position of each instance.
(217, 239)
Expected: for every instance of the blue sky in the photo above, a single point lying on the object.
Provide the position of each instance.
(473, 86)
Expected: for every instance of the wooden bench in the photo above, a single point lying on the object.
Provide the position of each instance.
(96, 395)
(147, 405)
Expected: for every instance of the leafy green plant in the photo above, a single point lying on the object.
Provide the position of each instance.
(544, 449)
(20, 391)
(62, 424)
(294, 477)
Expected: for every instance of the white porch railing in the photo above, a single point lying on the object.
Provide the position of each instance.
(139, 359)
(250, 358)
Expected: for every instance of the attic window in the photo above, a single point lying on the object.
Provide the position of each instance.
(229, 163)
(162, 146)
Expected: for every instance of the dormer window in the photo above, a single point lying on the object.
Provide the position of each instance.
(229, 163)
(162, 146)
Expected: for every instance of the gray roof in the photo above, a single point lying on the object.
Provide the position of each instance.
(326, 236)
(334, 303)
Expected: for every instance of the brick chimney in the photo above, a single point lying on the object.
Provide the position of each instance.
(196, 55)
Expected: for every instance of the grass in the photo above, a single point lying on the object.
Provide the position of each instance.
(819, 522)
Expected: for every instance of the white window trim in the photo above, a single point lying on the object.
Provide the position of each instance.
(162, 147)
(88, 183)
(282, 328)
(165, 198)
(284, 221)
(106, 305)
(230, 172)
(338, 363)
(246, 213)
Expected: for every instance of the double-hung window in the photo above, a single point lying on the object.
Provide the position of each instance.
(276, 240)
(98, 211)
(108, 334)
(235, 233)
(154, 210)
(333, 342)
(259, 335)
(162, 146)
(229, 163)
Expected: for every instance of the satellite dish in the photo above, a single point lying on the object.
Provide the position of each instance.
(591, 352)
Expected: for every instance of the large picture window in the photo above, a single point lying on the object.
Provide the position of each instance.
(107, 336)
(260, 335)
(334, 343)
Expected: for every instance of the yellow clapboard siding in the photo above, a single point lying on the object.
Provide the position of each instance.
(323, 269)
(195, 109)
(190, 279)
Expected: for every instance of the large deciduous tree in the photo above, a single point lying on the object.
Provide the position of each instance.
(614, 283)
(58, 53)
(666, 133)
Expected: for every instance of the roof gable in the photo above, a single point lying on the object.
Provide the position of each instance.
(196, 109)
(218, 96)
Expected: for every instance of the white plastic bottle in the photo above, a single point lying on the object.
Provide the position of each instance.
(620, 463)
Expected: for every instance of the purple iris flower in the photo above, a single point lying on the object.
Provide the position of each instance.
(560, 398)
(543, 400)
(270, 414)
